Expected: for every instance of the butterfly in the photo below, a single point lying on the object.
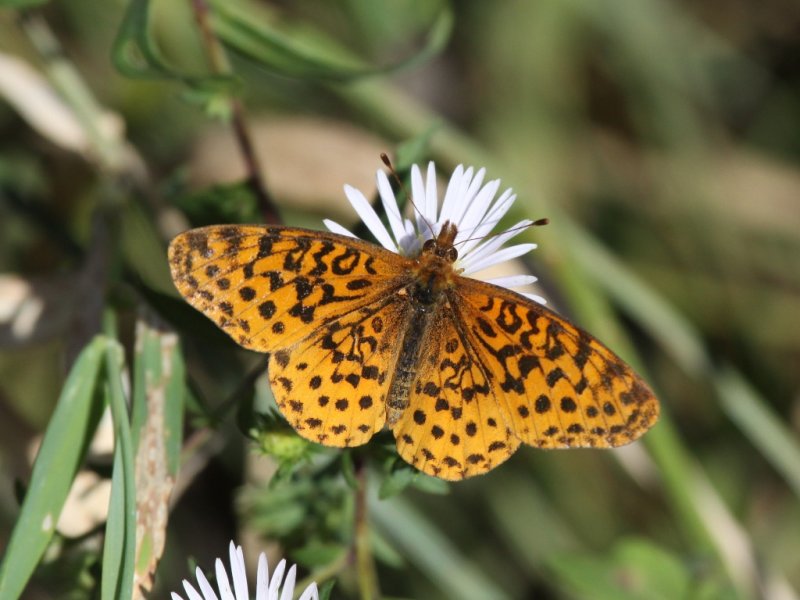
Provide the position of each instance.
(360, 338)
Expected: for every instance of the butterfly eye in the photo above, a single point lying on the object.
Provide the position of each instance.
(429, 245)
(451, 254)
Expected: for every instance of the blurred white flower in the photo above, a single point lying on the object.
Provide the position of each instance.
(468, 204)
(267, 588)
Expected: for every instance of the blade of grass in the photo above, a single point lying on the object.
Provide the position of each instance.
(424, 545)
(119, 552)
(305, 53)
(542, 532)
(767, 432)
(159, 360)
(157, 417)
(674, 333)
(63, 448)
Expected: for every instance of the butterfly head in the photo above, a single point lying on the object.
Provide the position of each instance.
(442, 245)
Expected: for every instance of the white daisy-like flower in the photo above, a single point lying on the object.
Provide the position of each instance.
(267, 588)
(468, 203)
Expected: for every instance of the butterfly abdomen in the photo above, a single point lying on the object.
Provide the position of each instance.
(424, 298)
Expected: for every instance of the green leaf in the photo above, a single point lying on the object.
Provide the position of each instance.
(143, 248)
(349, 469)
(21, 3)
(397, 480)
(119, 551)
(414, 150)
(159, 372)
(384, 551)
(431, 485)
(228, 203)
(326, 589)
(157, 422)
(135, 54)
(316, 554)
(301, 52)
(63, 448)
(636, 569)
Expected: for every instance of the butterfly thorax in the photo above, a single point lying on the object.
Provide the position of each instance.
(432, 275)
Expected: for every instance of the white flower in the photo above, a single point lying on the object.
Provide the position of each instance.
(267, 588)
(468, 204)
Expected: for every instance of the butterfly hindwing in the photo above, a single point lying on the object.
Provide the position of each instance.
(453, 426)
(332, 386)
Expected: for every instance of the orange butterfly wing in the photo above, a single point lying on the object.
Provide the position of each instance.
(561, 388)
(270, 287)
(503, 370)
(454, 426)
(333, 386)
(324, 307)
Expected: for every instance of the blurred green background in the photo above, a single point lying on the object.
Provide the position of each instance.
(661, 139)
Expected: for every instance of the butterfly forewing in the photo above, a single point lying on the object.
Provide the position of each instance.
(269, 287)
(558, 387)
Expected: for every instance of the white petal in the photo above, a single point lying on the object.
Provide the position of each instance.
(390, 206)
(478, 208)
(205, 587)
(410, 241)
(490, 244)
(334, 227)
(310, 593)
(262, 578)
(431, 199)
(177, 597)
(275, 581)
(535, 298)
(451, 195)
(470, 186)
(462, 196)
(419, 195)
(369, 217)
(191, 593)
(476, 183)
(489, 221)
(500, 208)
(238, 573)
(498, 257)
(512, 281)
(223, 585)
(288, 585)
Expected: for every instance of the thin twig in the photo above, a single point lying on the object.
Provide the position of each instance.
(219, 65)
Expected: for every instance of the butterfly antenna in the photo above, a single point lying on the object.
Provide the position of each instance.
(386, 161)
(536, 223)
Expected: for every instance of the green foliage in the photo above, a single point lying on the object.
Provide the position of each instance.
(57, 462)
(234, 203)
